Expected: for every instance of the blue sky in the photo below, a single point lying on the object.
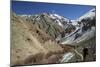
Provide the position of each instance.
(67, 10)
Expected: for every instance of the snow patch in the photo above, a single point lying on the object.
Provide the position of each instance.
(90, 14)
(67, 57)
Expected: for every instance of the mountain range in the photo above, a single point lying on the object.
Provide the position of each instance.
(51, 38)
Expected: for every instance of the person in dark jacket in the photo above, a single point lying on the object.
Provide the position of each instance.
(85, 53)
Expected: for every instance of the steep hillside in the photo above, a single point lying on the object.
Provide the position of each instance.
(29, 44)
(50, 38)
(86, 27)
(52, 24)
(83, 39)
(46, 24)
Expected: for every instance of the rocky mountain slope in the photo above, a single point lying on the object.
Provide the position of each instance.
(29, 43)
(52, 24)
(85, 29)
(50, 38)
(83, 38)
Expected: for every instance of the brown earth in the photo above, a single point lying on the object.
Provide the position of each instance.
(29, 44)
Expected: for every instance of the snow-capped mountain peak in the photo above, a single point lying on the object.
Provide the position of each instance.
(90, 14)
(85, 29)
(62, 21)
(56, 16)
